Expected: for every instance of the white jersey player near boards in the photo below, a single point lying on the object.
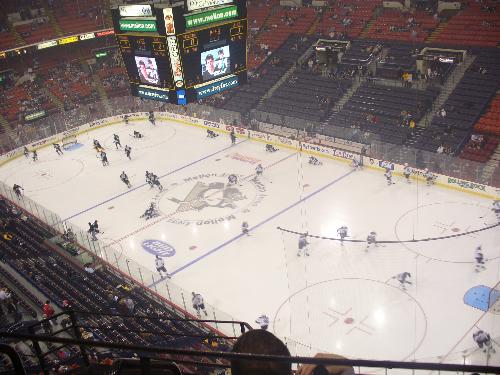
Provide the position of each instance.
(429, 177)
(371, 240)
(342, 232)
(388, 176)
(198, 304)
(160, 267)
(407, 172)
(303, 245)
(479, 258)
(496, 208)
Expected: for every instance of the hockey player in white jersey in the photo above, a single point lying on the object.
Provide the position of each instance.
(198, 304)
(303, 245)
(262, 321)
(496, 208)
(314, 161)
(407, 172)
(483, 340)
(342, 232)
(355, 164)
(259, 170)
(403, 279)
(479, 258)
(244, 228)
(232, 179)
(388, 176)
(429, 177)
(160, 267)
(371, 240)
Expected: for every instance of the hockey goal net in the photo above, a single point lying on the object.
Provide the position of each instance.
(69, 141)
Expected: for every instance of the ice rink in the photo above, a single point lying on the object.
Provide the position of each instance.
(341, 298)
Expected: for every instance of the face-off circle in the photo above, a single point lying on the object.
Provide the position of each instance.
(334, 316)
(447, 219)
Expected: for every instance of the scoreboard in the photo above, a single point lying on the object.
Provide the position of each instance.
(184, 52)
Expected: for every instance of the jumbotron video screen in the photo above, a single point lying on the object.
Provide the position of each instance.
(183, 53)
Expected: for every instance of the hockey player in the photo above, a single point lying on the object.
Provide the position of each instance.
(429, 177)
(125, 179)
(104, 159)
(483, 340)
(211, 134)
(126, 117)
(479, 257)
(128, 150)
(388, 176)
(355, 164)
(314, 161)
(262, 321)
(97, 145)
(116, 141)
(403, 279)
(371, 240)
(93, 231)
(271, 148)
(232, 179)
(496, 208)
(152, 117)
(259, 170)
(35, 155)
(26, 152)
(342, 232)
(156, 181)
(18, 190)
(137, 135)
(407, 173)
(150, 212)
(244, 228)
(149, 179)
(233, 137)
(198, 304)
(160, 267)
(57, 147)
(303, 245)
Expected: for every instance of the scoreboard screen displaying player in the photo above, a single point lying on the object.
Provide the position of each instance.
(184, 51)
(146, 60)
(213, 52)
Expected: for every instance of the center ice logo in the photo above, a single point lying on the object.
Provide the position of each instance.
(159, 248)
(214, 194)
(209, 199)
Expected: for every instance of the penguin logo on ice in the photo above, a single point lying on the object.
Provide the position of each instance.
(215, 194)
(157, 247)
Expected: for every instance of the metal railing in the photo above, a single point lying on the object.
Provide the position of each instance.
(362, 366)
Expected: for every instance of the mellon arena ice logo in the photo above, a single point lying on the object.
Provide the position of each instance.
(210, 199)
(160, 248)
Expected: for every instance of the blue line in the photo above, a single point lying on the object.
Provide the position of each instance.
(140, 186)
(253, 228)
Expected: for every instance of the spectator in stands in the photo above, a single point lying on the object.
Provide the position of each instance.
(442, 112)
(327, 370)
(260, 342)
(48, 312)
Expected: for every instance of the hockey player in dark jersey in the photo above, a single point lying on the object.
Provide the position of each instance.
(137, 134)
(125, 179)
(128, 150)
(232, 179)
(314, 161)
(26, 152)
(35, 155)
(104, 159)
(371, 240)
(18, 190)
(116, 141)
(211, 134)
(342, 232)
(57, 147)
